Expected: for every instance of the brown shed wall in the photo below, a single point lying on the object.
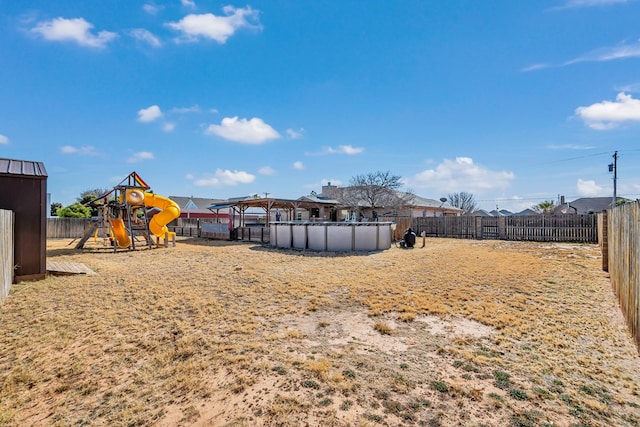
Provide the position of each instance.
(26, 196)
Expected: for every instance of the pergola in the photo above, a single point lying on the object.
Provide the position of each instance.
(269, 204)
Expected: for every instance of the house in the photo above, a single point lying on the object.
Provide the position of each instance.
(481, 212)
(583, 205)
(526, 212)
(504, 212)
(196, 207)
(412, 206)
(422, 207)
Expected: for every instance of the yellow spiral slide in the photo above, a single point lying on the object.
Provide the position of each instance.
(170, 211)
(158, 223)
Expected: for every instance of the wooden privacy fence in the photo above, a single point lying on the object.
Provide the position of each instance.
(6, 252)
(623, 255)
(538, 228)
(66, 228)
(402, 224)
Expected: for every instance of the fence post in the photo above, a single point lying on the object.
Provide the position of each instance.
(502, 228)
(478, 227)
(605, 241)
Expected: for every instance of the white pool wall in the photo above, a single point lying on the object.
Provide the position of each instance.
(331, 236)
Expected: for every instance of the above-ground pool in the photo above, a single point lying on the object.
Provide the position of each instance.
(332, 236)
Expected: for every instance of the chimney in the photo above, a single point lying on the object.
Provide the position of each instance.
(328, 190)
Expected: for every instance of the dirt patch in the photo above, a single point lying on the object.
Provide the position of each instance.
(231, 334)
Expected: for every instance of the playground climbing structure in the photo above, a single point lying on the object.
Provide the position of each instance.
(130, 211)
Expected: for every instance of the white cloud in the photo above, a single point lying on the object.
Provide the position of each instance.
(267, 170)
(140, 156)
(294, 134)
(345, 149)
(253, 131)
(609, 114)
(152, 9)
(209, 26)
(186, 110)
(86, 150)
(76, 30)
(168, 127)
(570, 147)
(461, 174)
(4, 139)
(589, 188)
(298, 165)
(149, 114)
(588, 3)
(342, 149)
(188, 3)
(225, 177)
(611, 53)
(146, 36)
(633, 87)
(535, 67)
(189, 176)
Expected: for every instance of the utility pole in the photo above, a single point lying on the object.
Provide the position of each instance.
(613, 167)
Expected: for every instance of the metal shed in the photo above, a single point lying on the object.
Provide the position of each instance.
(23, 190)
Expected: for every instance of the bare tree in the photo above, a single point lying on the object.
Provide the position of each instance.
(376, 190)
(464, 201)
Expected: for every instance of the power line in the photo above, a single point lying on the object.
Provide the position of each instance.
(580, 157)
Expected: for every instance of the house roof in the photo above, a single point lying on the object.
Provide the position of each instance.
(414, 201)
(22, 167)
(195, 204)
(481, 212)
(584, 205)
(424, 202)
(526, 212)
(318, 199)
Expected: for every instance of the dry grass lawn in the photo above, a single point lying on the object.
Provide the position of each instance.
(212, 333)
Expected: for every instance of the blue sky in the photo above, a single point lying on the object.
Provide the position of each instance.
(516, 102)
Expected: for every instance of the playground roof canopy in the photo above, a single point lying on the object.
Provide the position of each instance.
(271, 203)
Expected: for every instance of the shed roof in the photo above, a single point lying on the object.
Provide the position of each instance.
(22, 167)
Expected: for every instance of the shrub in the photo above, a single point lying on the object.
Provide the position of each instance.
(75, 210)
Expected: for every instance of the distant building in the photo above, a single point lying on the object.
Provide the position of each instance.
(481, 212)
(504, 212)
(526, 212)
(414, 207)
(583, 205)
(196, 207)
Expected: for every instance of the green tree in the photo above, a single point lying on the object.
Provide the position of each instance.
(463, 200)
(54, 208)
(76, 210)
(545, 207)
(88, 195)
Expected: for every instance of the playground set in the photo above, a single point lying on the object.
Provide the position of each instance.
(130, 210)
